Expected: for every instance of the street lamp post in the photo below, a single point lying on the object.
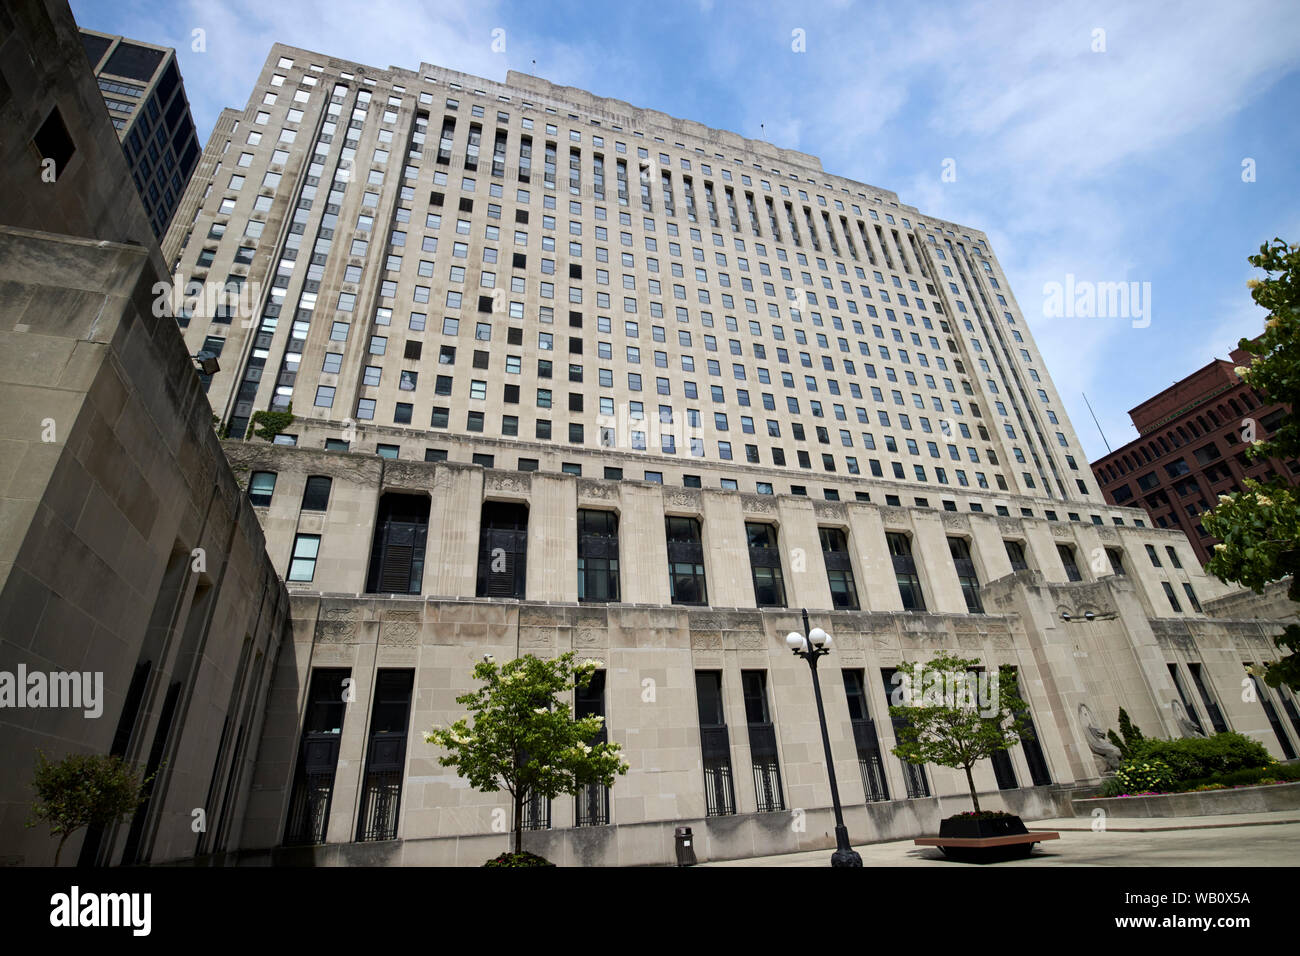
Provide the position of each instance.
(815, 645)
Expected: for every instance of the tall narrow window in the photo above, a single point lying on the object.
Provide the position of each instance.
(261, 486)
(839, 569)
(1270, 711)
(1116, 560)
(913, 773)
(762, 742)
(909, 582)
(1003, 770)
(965, 565)
(318, 756)
(715, 746)
(1173, 598)
(316, 496)
(765, 565)
(591, 803)
(381, 788)
(1029, 742)
(302, 566)
(1067, 559)
(874, 784)
(502, 550)
(686, 579)
(397, 551)
(1208, 700)
(1016, 552)
(1177, 677)
(597, 556)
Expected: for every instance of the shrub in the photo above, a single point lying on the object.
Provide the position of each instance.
(1281, 772)
(1145, 776)
(1195, 758)
(1111, 787)
(523, 858)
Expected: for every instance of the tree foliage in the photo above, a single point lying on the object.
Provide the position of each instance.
(946, 722)
(524, 738)
(83, 790)
(1129, 736)
(1259, 528)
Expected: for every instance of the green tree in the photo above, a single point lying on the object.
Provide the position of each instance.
(947, 721)
(83, 790)
(524, 738)
(1259, 528)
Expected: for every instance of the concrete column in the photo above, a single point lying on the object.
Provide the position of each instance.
(451, 556)
(643, 547)
(934, 564)
(552, 572)
(1040, 548)
(806, 585)
(988, 549)
(726, 551)
(876, 584)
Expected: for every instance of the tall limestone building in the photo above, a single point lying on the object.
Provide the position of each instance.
(569, 374)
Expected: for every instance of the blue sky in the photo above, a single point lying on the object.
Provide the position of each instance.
(1114, 165)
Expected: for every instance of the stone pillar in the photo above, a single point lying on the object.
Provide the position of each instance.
(451, 555)
(726, 551)
(801, 548)
(643, 547)
(877, 584)
(552, 571)
(934, 564)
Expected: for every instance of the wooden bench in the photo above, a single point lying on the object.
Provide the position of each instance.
(974, 849)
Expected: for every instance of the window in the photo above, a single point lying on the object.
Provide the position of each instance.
(686, 577)
(1016, 554)
(503, 548)
(401, 531)
(762, 742)
(765, 565)
(909, 582)
(719, 793)
(839, 569)
(966, 576)
(1173, 599)
(598, 578)
(1067, 559)
(316, 496)
(302, 566)
(261, 486)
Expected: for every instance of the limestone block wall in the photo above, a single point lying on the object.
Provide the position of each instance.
(128, 552)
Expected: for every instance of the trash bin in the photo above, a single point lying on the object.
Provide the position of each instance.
(685, 848)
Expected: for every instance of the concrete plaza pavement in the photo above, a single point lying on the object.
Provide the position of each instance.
(1244, 839)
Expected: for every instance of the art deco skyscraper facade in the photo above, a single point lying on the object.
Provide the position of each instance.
(567, 374)
(422, 241)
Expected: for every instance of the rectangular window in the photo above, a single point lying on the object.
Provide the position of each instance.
(715, 745)
(686, 576)
(765, 565)
(598, 578)
(762, 742)
(839, 569)
(302, 566)
(909, 582)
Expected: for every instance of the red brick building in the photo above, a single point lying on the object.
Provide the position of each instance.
(1191, 449)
